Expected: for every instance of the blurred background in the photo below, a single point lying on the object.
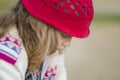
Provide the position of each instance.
(98, 56)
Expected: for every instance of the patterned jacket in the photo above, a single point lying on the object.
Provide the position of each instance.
(14, 61)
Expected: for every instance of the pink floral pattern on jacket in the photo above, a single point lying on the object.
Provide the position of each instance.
(50, 73)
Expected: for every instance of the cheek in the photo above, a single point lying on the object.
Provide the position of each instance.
(69, 40)
(64, 43)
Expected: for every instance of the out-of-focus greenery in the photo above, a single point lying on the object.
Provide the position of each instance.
(7, 4)
(107, 18)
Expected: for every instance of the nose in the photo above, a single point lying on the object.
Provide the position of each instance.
(67, 43)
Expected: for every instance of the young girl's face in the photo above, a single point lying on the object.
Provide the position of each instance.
(64, 41)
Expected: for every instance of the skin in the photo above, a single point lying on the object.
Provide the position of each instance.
(64, 42)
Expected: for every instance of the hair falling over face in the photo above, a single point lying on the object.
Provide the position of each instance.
(39, 39)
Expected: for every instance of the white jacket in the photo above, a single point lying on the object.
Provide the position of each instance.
(14, 60)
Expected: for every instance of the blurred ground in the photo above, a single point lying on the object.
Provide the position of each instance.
(97, 57)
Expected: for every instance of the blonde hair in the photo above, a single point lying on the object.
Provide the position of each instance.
(39, 39)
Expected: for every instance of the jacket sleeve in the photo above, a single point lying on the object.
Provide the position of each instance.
(9, 53)
(8, 71)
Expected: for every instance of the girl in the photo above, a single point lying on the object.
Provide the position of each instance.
(34, 34)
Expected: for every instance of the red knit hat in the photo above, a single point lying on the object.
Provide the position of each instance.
(72, 17)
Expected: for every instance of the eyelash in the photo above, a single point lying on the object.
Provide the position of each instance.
(65, 35)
